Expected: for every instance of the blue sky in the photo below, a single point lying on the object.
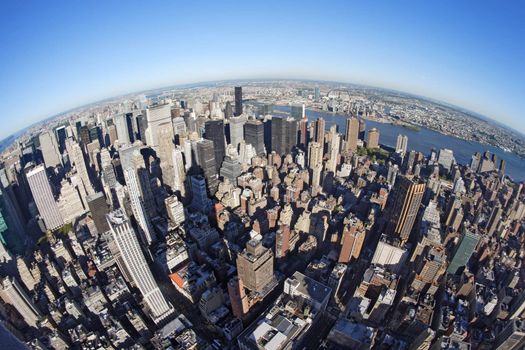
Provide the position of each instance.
(58, 55)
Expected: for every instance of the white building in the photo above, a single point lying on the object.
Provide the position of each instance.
(175, 210)
(137, 266)
(49, 148)
(43, 196)
(389, 256)
(237, 130)
(155, 116)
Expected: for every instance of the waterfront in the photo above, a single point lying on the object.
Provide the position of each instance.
(423, 140)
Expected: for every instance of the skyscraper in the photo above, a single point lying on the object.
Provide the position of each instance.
(12, 293)
(43, 196)
(228, 110)
(352, 133)
(49, 148)
(99, 209)
(255, 266)
(155, 116)
(61, 136)
(165, 154)
(315, 155)
(137, 205)
(373, 138)
(237, 130)
(76, 158)
(12, 233)
(214, 131)
(238, 100)
(464, 249)
(120, 122)
(284, 134)
(303, 133)
(298, 112)
(254, 135)
(335, 141)
(319, 130)
(401, 144)
(206, 161)
(137, 266)
(403, 206)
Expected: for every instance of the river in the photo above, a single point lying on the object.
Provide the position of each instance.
(423, 140)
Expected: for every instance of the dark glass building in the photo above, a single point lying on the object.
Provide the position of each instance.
(238, 100)
(214, 131)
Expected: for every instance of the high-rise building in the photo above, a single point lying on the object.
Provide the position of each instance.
(464, 249)
(255, 266)
(352, 133)
(403, 206)
(237, 130)
(155, 116)
(231, 169)
(179, 181)
(446, 158)
(315, 155)
(284, 134)
(206, 162)
(362, 129)
(238, 100)
(254, 135)
(137, 205)
(99, 209)
(12, 233)
(401, 144)
(175, 210)
(352, 241)
(199, 194)
(319, 130)
(511, 337)
(494, 220)
(137, 266)
(61, 136)
(165, 153)
(214, 131)
(298, 112)
(76, 158)
(49, 148)
(11, 292)
(335, 143)
(303, 133)
(228, 110)
(121, 124)
(43, 196)
(373, 138)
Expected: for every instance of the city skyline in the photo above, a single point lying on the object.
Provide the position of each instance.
(83, 58)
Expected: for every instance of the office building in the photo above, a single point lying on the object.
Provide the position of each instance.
(238, 100)
(319, 130)
(43, 196)
(214, 131)
(298, 112)
(401, 144)
(165, 154)
(255, 266)
(333, 149)
(129, 247)
(11, 292)
(446, 158)
(76, 158)
(254, 135)
(284, 135)
(12, 233)
(228, 110)
(373, 138)
(352, 133)
(99, 209)
(61, 136)
(199, 194)
(231, 169)
(237, 130)
(175, 210)
(403, 206)
(121, 124)
(464, 249)
(206, 162)
(50, 152)
(155, 116)
(511, 337)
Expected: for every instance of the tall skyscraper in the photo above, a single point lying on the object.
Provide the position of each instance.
(137, 205)
(284, 134)
(446, 158)
(49, 148)
(352, 133)
(403, 205)
(335, 142)
(464, 249)
(303, 133)
(214, 131)
(206, 161)
(237, 130)
(120, 122)
(255, 266)
(43, 196)
(11, 292)
(228, 110)
(76, 158)
(401, 144)
(61, 136)
(155, 116)
(12, 233)
(315, 155)
(199, 194)
(373, 138)
(238, 100)
(137, 266)
(254, 135)
(298, 112)
(99, 209)
(319, 130)
(165, 154)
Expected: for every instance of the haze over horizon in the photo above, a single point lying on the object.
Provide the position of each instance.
(77, 54)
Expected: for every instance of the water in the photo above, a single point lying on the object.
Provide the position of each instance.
(423, 140)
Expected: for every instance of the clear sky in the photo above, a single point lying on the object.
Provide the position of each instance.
(58, 55)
